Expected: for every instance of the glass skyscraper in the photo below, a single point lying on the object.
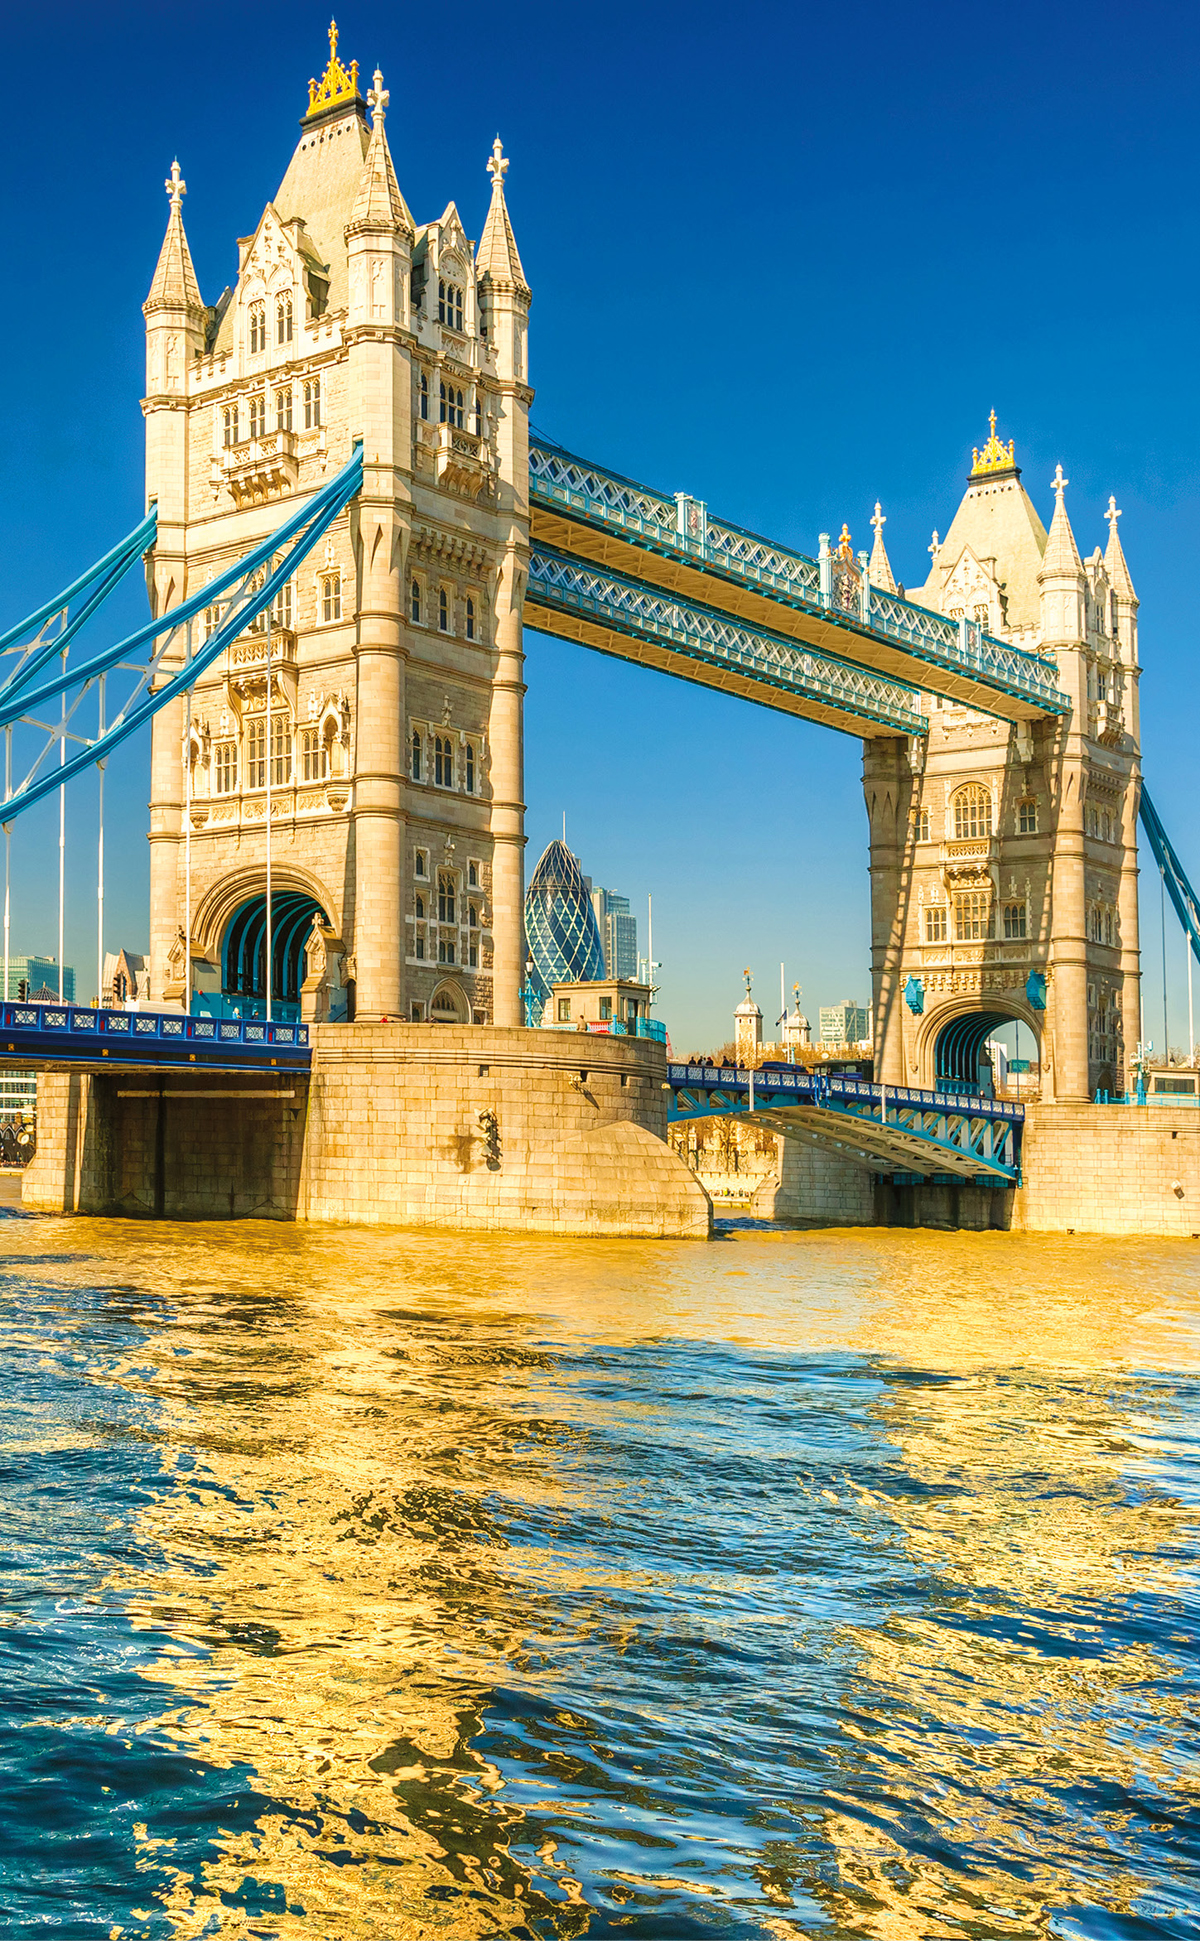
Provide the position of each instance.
(560, 925)
(618, 933)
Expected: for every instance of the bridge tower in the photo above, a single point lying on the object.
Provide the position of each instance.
(379, 715)
(1004, 856)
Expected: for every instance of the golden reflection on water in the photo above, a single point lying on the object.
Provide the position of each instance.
(378, 1451)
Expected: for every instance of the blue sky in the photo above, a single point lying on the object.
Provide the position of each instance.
(785, 259)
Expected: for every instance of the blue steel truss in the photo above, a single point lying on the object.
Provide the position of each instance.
(159, 674)
(1180, 891)
(885, 1127)
(642, 612)
(681, 528)
(47, 1036)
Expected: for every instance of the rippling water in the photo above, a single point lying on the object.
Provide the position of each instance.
(362, 1584)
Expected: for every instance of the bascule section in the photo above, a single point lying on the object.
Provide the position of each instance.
(1004, 853)
(336, 817)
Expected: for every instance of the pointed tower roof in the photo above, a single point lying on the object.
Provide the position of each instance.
(174, 282)
(1061, 554)
(998, 522)
(379, 203)
(879, 570)
(1114, 556)
(497, 256)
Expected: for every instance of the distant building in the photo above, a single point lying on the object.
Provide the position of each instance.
(618, 932)
(747, 1023)
(39, 974)
(560, 928)
(797, 1031)
(846, 1023)
(126, 978)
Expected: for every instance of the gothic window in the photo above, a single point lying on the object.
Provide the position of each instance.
(470, 618)
(314, 755)
(225, 758)
(231, 425)
(972, 916)
(980, 616)
(283, 408)
(450, 304)
(312, 403)
(473, 876)
(443, 612)
(919, 821)
(331, 597)
(972, 812)
(1014, 921)
(445, 950)
(414, 601)
(477, 425)
(1108, 926)
(419, 864)
(283, 320)
(1027, 817)
(281, 607)
(1091, 821)
(935, 923)
(420, 955)
(473, 954)
(258, 328)
(446, 898)
(470, 769)
(420, 904)
(451, 405)
(258, 416)
(424, 395)
(443, 761)
(256, 753)
(415, 769)
(472, 916)
(281, 750)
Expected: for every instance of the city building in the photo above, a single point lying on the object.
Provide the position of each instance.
(560, 929)
(18, 1096)
(125, 977)
(618, 932)
(613, 1004)
(797, 1031)
(29, 976)
(846, 1023)
(747, 1024)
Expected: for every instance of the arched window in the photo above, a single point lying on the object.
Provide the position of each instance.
(283, 408)
(935, 923)
(281, 608)
(443, 761)
(443, 611)
(477, 425)
(446, 898)
(1014, 921)
(457, 418)
(281, 749)
(312, 755)
(231, 425)
(442, 406)
(283, 319)
(470, 618)
(470, 769)
(258, 328)
(450, 304)
(256, 752)
(420, 906)
(331, 597)
(451, 405)
(972, 916)
(225, 760)
(473, 876)
(414, 601)
(312, 403)
(258, 416)
(972, 812)
(416, 767)
(1027, 817)
(424, 396)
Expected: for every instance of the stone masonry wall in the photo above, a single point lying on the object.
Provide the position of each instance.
(424, 1125)
(1110, 1169)
(816, 1187)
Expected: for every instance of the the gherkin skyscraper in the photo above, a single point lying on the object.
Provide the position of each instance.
(560, 925)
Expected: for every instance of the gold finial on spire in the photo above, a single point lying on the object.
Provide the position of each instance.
(844, 545)
(336, 85)
(995, 457)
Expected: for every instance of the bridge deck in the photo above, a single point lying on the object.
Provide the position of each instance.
(885, 1128)
(73, 1037)
(584, 511)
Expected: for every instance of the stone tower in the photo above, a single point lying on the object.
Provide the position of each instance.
(385, 728)
(1004, 857)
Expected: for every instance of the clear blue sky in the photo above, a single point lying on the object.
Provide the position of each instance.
(784, 258)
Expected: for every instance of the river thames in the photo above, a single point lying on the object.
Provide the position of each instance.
(374, 1584)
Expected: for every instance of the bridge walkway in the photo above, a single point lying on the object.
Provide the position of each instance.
(584, 512)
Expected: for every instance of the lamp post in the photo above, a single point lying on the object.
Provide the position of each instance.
(528, 993)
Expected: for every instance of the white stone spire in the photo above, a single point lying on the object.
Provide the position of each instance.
(879, 571)
(1114, 556)
(379, 203)
(174, 283)
(497, 257)
(1062, 554)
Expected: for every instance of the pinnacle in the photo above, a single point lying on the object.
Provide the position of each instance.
(1114, 556)
(1061, 554)
(379, 203)
(879, 569)
(497, 255)
(175, 281)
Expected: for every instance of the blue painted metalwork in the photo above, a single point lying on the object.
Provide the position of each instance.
(1180, 891)
(244, 953)
(73, 607)
(965, 1134)
(683, 529)
(960, 1044)
(1035, 990)
(239, 595)
(914, 996)
(641, 612)
(51, 1035)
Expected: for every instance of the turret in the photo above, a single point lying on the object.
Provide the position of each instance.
(175, 325)
(504, 293)
(879, 571)
(1124, 597)
(1062, 580)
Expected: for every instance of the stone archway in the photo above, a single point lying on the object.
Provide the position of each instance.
(244, 953)
(449, 1005)
(951, 1049)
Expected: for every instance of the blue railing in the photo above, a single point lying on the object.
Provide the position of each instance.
(822, 1087)
(80, 1034)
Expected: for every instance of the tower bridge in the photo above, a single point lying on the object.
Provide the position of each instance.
(348, 524)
